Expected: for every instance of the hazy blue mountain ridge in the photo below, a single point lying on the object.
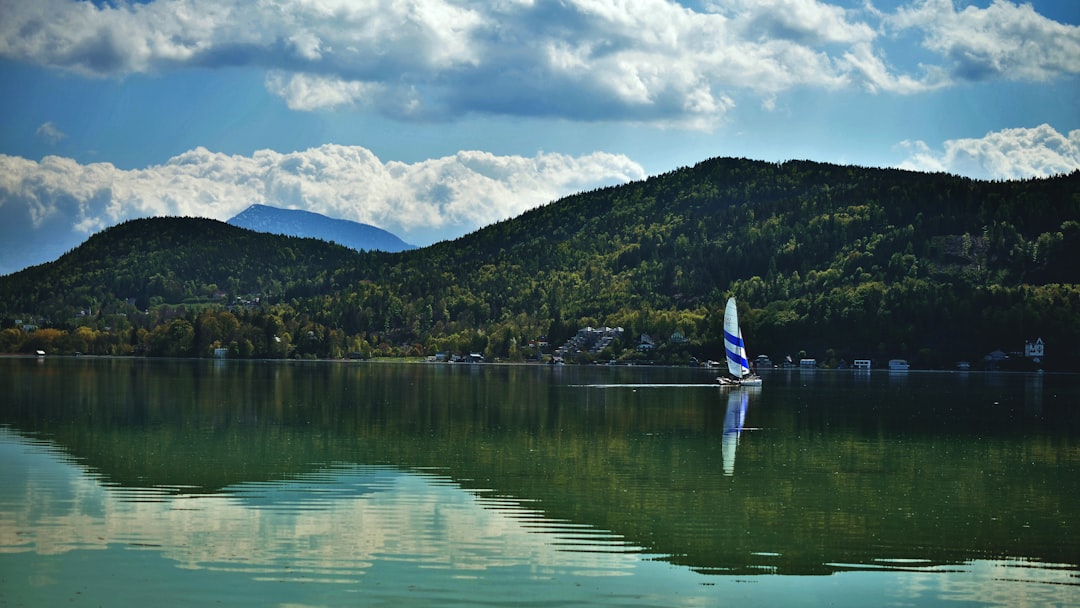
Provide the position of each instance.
(307, 224)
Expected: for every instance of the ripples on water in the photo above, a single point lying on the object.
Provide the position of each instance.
(583, 492)
(344, 522)
(330, 526)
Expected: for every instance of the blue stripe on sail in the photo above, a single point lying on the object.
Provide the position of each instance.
(733, 339)
(737, 358)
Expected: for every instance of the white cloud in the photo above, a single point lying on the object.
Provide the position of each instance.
(308, 92)
(1008, 154)
(1004, 40)
(807, 21)
(642, 61)
(49, 206)
(49, 132)
(637, 61)
(878, 76)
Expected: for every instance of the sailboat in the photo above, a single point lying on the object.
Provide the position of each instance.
(735, 351)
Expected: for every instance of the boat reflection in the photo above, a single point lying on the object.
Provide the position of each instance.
(734, 419)
(346, 466)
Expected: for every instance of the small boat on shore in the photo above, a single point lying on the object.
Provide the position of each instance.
(898, 365)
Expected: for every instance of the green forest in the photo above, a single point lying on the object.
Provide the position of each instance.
(827, 261)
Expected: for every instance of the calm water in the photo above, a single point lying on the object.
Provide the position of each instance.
(134, 482)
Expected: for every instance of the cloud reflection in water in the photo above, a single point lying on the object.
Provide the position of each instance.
(329, 526)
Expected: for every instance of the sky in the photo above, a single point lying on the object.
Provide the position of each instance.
(434, 118)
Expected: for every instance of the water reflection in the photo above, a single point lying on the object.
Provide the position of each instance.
(329, 526)
(1033, 393)
(994, 582)
(737, 401)
(336, 472)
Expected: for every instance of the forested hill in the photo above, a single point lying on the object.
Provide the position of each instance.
(171, 260)
(837, 261)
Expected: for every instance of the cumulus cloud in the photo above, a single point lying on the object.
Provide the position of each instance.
(804, 21)
(50, 206)
(1002, 41)
(1008, 154)
(641, 61)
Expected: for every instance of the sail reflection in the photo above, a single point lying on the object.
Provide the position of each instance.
(734, 420)
(330, 526)
(241, 467)
(733, 423)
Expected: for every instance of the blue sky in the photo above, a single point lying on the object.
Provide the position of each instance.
(432, 118)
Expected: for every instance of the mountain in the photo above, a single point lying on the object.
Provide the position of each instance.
(840, 262)
(295, 222)
(169, 260)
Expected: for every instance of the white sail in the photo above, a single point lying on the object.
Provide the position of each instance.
(733, 342)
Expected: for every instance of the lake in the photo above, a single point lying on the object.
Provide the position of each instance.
(130, 482)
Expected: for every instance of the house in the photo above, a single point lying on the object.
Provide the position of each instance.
(646, 343)
(861, 364)
(808, 362)
(1034, 350)
(995, 359)
(606, 336)
(590, 339)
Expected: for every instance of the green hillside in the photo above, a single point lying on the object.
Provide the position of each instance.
(839, 262)
(172, 259)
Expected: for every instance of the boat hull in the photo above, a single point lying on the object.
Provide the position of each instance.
(748, 381)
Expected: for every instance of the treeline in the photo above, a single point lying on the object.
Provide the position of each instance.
(837, 261)
(148, 263)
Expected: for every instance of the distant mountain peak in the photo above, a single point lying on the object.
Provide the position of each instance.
(297, 222)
